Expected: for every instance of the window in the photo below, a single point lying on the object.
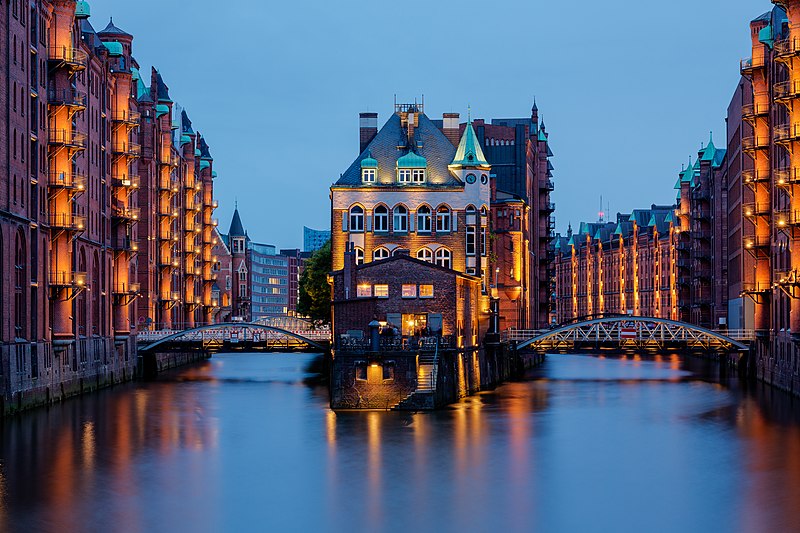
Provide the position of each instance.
(243, 290)
(409, 291)
(425, 254)
(443, 219)
(381, 218)
(388, 371)
(404, 175)
(356, 218)
(368, 175)
(470, 212)
(426, 291)
(364, 291)
(400, 218)
(470, 240)
(359, 256)
(382, 291)
(483, 240)
(423, 219)
(361, 370)
(380, 253)
(443, 257)
(418, 175)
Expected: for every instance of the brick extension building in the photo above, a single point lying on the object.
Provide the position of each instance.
(78, 204)
(473, 197)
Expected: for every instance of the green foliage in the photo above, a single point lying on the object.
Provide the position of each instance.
(314, 300)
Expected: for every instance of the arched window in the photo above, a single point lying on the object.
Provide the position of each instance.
(484, 211)
(423, 219)
(96, 316)
(356, 218)
(400, 218)
(359, 256)
(443, 257)
(81, 304)
(443, 219)
(20, 268)
(425, 254)
(380, 253)
(381, 218)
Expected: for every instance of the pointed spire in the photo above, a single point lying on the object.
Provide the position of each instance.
(236, 229)
(535, 108)
(469, 152)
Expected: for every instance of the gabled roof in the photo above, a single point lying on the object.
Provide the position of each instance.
(391, 143)
(205, 153)
(113, 30)
(469, 152)
(408, 258)
(162, 91)
(186, 124)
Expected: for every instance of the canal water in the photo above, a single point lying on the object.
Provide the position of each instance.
(243, 443)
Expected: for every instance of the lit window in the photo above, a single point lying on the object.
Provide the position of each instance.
(423, 219)
(443, 219)
(443, 257)
(409, 291)
(425, 254)
(400, 219)
(356, 218)
(404, 175)
(381, 291)
(364, 291)
(418, 175)
(426, 291)
(368, 175)
(380, 253)
(359, 256)
(381, 218)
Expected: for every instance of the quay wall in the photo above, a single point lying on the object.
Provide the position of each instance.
(777, 362)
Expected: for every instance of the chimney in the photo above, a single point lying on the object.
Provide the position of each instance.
(450, 127)
(367, 129)
(349, 271)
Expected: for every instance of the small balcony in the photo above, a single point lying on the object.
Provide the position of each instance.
(167, 260)
(787, 133)
(168, 184)
(128, 117)
(750, 64)
(752, 111)
(67, 222)
(756, 287)
(68, 139)
(125, 244)
(786, 218)
(125, 214)
(126, 149)
(72, 181)
(786, 176)
(72, 58)
(755, 142)
(127, 181)
(785, 90)
(124, 289)
(72, 98)
(751, 177)
(755, 210)
(65, 278)
(787, 48)
(546, 185)
(757, 241)
(168, 236)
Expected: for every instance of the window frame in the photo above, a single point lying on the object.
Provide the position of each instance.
(443, 219)
(380, 290)
(382, 216)
(369, 175)
(354, 216)
(429, 254)
(403, 175)
(410, 295)
(423, 287)
(402, 217)
(443, 255)
(424, 216)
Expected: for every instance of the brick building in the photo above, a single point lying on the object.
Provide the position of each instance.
(432, 187)
(764, 181)
(71, 202)
(665, 261)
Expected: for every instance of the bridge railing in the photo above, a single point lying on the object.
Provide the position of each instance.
(514, 334)
(224, 333)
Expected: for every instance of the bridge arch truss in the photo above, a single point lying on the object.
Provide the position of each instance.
(627, 332)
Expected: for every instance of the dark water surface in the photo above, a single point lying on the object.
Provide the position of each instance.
(240, 443)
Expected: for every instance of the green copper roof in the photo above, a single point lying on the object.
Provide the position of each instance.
(412, 160)
(82, 10)
(766, 35)
(709, 152)
(669, 217)
(114, 48)
(135, 76)
(618, 231)
(571, 241)
(678, 196)
(185, 139)
(204, 164)
(469, 151)
(369, 161)
(652, 221)
(162, 109)
(197, 152)
(213, 173)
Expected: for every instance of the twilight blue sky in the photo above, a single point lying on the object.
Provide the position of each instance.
(628, 90)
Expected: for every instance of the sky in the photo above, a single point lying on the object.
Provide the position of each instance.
(628, 90)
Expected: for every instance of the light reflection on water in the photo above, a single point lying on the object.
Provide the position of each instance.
(242, 443)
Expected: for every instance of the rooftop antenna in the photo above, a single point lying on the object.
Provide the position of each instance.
(601, 214)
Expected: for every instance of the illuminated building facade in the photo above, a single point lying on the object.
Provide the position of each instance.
(71, 202)
(764, 133)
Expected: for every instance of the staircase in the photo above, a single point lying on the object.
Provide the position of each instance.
(422, 397)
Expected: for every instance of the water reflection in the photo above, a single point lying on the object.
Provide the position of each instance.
(241, 443)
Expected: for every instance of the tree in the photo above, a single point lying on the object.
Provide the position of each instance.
(314, 300)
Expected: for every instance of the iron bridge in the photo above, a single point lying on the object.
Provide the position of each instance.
(629, 332)
(251, 336)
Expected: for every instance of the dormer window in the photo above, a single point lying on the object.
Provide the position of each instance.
(411, 168)
(368, 175)
(418, 175)
(404, 175)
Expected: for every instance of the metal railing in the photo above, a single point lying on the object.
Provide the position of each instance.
(128, 117)
(74, 57)
(787, 175)
(67, 180)
(65, 278)
(787, 132)
(755, 142)
(749, 64)
(126, 213)
(67, 221)
(68, 97)
(759, 241)
(754, 210)
(125, 180)
(785, 89)
(127, 288)
(63, 137)
(787, 47)
(126, 148)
